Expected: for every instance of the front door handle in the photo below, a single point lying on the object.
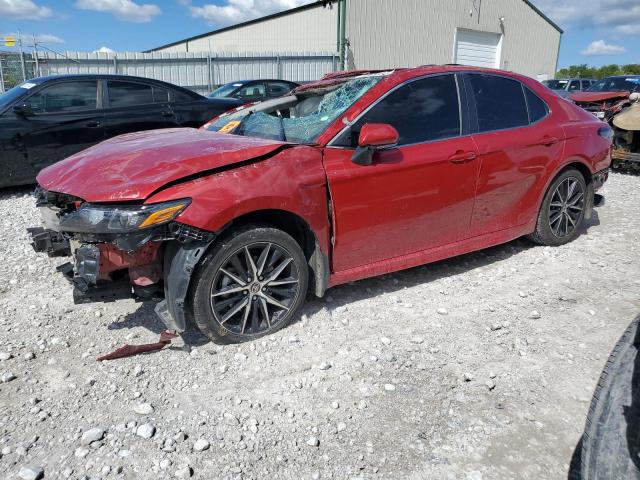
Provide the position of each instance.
(92, 124)
(462, 157)
(167, 113)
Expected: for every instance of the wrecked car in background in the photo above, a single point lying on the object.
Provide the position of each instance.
(616, 100)
(357, 175)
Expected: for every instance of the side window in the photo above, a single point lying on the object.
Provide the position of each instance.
(177, 96)
(574, 85)
(423, 110)
(500, 102)
(585, 84)
(160, 95)
(277, 89)
(251, 90)
(125, 94)
(65, 97)
(537, 108)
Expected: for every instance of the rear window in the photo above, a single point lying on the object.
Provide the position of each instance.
(500, 102)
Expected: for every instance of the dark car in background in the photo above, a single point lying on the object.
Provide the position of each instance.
(254, 90)
(566, 86)
(47, 119)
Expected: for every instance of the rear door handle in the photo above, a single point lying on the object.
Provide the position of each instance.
(92, 124)
(548, 141)
(167, 113)
(462, 157)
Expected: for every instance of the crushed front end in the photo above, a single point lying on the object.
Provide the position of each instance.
(623, 115)
(121, 250)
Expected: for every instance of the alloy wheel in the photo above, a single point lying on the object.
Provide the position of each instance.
(566, 207)
(255, 288)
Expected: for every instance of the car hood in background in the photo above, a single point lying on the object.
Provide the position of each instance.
(597, 96)
(132, 166)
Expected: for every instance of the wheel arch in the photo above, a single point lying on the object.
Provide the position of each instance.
(300, 231)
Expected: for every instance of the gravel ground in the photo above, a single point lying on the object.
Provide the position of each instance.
(479, 367)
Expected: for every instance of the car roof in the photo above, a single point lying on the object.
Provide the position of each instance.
(243, 82)
(107, 76)
(341, 77)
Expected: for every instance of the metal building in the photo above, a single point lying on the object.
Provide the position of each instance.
(509, 34)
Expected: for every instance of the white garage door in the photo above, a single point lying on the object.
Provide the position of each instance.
(479, 49)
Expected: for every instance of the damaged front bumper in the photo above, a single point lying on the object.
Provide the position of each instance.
(153, 264)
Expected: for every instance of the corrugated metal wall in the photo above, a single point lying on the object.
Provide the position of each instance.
(313, 29)
(394, 33)
(197, 71)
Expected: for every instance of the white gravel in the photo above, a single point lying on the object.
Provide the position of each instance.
(478, 367)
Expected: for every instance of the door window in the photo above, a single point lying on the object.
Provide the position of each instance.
(252, 90)
(125, 94)
(422, 110)
(160, 95)
(277, 89)
(500, 102)
(65, 97)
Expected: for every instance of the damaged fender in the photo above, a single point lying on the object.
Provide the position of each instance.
(180, 262)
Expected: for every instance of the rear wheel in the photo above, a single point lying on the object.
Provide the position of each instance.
(252, 283)
(562, 211)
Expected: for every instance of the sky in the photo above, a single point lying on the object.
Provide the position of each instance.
(597, 32)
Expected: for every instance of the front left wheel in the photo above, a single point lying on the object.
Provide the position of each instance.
(252, 283)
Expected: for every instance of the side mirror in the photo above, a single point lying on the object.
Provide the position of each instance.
(374, 136)
(23, 110)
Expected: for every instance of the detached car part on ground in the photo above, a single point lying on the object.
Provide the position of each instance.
(616, 100)
(354, 176)
(611, 440)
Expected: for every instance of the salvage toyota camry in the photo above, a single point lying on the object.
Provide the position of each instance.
(359, 174)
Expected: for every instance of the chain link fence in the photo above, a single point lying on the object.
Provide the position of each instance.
(15, 69)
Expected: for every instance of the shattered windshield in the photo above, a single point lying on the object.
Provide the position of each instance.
(299, 118)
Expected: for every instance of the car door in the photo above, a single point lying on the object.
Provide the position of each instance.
(66, 118)
(415, 196)
(516, 140)
(132, 106)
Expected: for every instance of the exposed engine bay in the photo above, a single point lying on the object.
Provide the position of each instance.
(623, 114)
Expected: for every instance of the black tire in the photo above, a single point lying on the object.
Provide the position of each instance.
(611, 440)
(211, 304)
(548, 234)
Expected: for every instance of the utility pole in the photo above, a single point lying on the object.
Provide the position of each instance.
(24, 70)
(2, 90)
(35, 56)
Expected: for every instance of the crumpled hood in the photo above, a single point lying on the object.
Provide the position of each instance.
(584, 97)
(132, 166)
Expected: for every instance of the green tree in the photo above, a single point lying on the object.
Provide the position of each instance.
(583, 70)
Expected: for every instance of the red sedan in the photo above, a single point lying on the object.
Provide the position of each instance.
(357, 175)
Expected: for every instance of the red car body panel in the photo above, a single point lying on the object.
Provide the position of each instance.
(414, 204)
(292, 181)
(596, 96)
(130, 167)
